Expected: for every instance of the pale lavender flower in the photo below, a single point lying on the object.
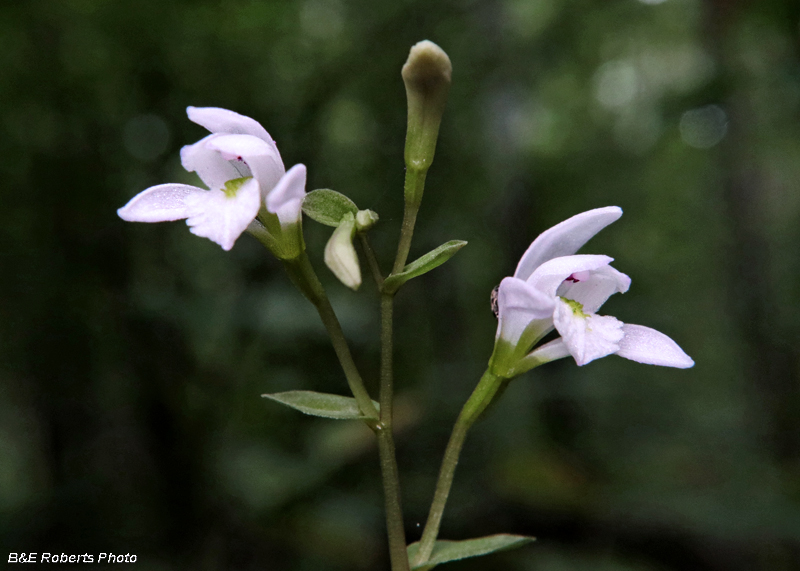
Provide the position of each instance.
(241, 165)
(553, 288)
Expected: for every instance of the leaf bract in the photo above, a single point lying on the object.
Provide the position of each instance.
(445, 551)
(423, 264)
(321, 404)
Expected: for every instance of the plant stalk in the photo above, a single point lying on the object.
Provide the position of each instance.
(415, 181)
(372, 262)
(392, 500)
(389, 470)
(483, 394)
(414, 185)
(302, 274)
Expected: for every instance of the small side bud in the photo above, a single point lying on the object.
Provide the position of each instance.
(366, 219)
(340, 255)
(426, 74)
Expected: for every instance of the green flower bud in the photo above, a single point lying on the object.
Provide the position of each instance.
(340, 255)
(426, 75)
(366, 219)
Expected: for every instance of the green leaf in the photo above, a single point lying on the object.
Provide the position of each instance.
(328, 206)
(321, 404)
(426, 263)
(445, 551)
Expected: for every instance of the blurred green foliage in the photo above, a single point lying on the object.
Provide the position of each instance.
(133, 356)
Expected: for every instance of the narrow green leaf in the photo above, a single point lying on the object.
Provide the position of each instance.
(426, 263)
(321, 404)
(328, 206)
(445, 551)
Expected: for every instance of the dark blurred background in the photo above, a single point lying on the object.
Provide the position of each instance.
(133, 355)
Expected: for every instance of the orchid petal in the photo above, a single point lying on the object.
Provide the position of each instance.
(210, 165)
(588, 337)
(219, 120)
(593, 291)
(261, 157)
(651, 347)
(548, 277)
(519, 304)
(286, 198)
(565, 239)
(222, 218)
(555, 349)
(162, 203)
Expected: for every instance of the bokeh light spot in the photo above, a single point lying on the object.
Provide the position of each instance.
(704, 127)
(616, 83)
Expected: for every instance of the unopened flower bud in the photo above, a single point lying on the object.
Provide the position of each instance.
(340, 255)
(426, 74)
(366, 219)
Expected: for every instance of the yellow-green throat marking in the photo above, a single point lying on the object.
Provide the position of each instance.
(232, 186)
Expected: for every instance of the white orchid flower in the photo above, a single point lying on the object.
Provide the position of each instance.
(241, 165)
(553, 288)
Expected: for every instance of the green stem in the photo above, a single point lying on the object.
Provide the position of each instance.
(415, 181)
(414, 185)
(391, 493)
(483, 394)
(372, 262)
(302, 274)
(387, 376)
(389, 471)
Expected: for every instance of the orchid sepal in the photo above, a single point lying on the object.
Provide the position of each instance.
(552, 351)
(565, 238)
(220, 214)
(285, 241)
(650, 347)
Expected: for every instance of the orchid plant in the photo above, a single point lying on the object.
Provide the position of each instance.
(553, 288)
